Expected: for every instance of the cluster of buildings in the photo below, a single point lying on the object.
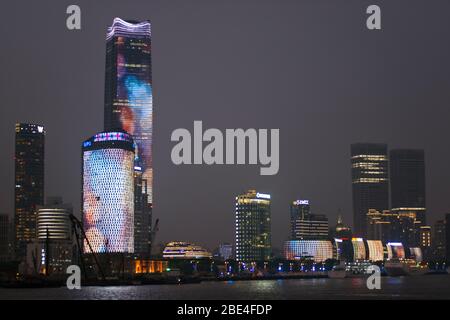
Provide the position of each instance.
(388, 190)
(116, 172)
(389, 216)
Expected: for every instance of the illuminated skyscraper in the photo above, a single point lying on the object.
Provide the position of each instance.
(142, 215)
(128, 89)
(108, 192)
(253, 235)
(29, 182)
(370, 182)
(306, 225)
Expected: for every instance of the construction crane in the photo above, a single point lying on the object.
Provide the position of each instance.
(153, 236)
(80, 235)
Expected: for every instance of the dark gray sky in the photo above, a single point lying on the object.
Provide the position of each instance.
(310, 68)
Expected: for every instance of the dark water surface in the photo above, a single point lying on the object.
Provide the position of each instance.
(419, 287)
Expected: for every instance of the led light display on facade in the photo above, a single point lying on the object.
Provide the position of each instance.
(108, 192)
(128, 88)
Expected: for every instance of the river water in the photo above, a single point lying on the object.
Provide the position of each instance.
(419, 287)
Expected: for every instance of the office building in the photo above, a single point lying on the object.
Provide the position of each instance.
(370, 182)
(29, 182)
(108, 192)
(306, 225)
(407, 179)
(128, 89)
(253, 234)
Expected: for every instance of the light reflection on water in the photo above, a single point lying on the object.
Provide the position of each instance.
(420, 287)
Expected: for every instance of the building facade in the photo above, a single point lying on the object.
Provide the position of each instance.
(306, 225)
(128, 89)
(142, 216)
(316, 250)
(108, 192)
(29, 182)
(370, 182)
(253, 222)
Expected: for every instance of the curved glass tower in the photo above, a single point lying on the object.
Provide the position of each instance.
(108, 192)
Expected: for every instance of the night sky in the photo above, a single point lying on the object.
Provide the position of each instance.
(310, 68)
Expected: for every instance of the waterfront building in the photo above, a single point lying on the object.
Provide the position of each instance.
(370, 182)
(359, 249)
(184, 250)
(253, 234)
(29, 182)
(395, 250)
(306, 225)
(142, 216)
(316, 250)
(375, 250)
(108, 192)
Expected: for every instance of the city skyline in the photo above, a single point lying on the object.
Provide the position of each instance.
(318, 171)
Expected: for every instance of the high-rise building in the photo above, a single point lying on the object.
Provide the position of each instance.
(306, 225)
(407, 178)
(128, 89)
(108, 192)
(370, 182)
(438, 240)
(253, 235)
(142, 215)
(29, 182)
(4, 237)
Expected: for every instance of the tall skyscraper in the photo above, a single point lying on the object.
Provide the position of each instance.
(407, 178)
(29, 182)
(253, 235)
(306, 225)
(108, 192)
(128, 89)
(370, 182)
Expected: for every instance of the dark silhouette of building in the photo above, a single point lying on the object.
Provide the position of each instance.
(438, 240)
(447, 238)
(4, 237)
(142, 216)
(407, 179)
(29, 182)
(370, 182)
